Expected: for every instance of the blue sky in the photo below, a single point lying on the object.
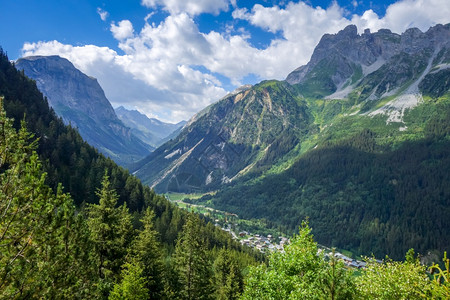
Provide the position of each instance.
(171, 58)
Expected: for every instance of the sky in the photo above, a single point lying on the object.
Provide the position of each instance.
(171, 58)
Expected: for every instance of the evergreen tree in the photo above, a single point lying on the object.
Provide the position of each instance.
(146, 250)
(111, 231)
(133, 284)
(228, 279)
(41, 238)
(335, 281)
(192, 263)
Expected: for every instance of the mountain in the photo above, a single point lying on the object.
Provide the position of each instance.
(228, 138)
(80, 101)
(150, 130)
(255, 127)
(357, 140)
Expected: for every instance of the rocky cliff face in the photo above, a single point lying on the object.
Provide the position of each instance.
(79, 100)
(344, 58)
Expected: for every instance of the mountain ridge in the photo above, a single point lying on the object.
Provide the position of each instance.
(375, 89)
(79, 100)
(150, 130)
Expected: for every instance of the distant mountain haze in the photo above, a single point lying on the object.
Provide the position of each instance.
(150, 130)
(80, 101)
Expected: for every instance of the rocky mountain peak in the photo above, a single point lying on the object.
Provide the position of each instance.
(342, 56)
(79, 100)
(150, 130)
(66, 87)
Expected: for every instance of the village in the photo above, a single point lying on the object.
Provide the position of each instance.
(230, 223)
(268, 244)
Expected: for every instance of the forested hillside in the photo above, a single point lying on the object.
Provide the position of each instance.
(357, 199)
(101, 230)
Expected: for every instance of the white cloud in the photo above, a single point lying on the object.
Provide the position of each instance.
(167, 69)
(123, 30)
(155, 82)
(302, 26)
(102, 13)
(406, 14)
(191, 7)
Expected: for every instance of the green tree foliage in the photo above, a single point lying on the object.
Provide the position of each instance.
(440, 287)
(336, 281)
(133, 284)
(110, 231)
(192, 262)
(302, 273)
(393, 280)
(298, 273)
(228, 279)
(146, 250)
(40, 236)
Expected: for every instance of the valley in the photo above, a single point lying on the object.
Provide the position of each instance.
(331, 183)
(254, 233)
(365, 158)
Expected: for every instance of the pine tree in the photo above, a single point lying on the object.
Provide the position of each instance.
(133, 284)
(146, 250)
(228, 279)
(41, 238)
(191, 262)
(111, 231)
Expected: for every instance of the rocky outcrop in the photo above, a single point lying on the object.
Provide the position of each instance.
(245, 130)
(343, 58)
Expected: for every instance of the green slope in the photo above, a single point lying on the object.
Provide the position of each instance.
(368, 187)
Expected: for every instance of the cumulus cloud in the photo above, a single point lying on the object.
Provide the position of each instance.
(170, 70)
(123, 30)
(302, 26)
(406, 14)
(191, 7)
(169, 91)
(102, 13)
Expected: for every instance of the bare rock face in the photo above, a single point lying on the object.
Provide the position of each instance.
(339, 57)
(67, 87)
(79, 100)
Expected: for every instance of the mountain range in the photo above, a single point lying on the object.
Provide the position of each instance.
(81, 102)
(367, 75)
(150, 130)
(356, 138)
(356, 141)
